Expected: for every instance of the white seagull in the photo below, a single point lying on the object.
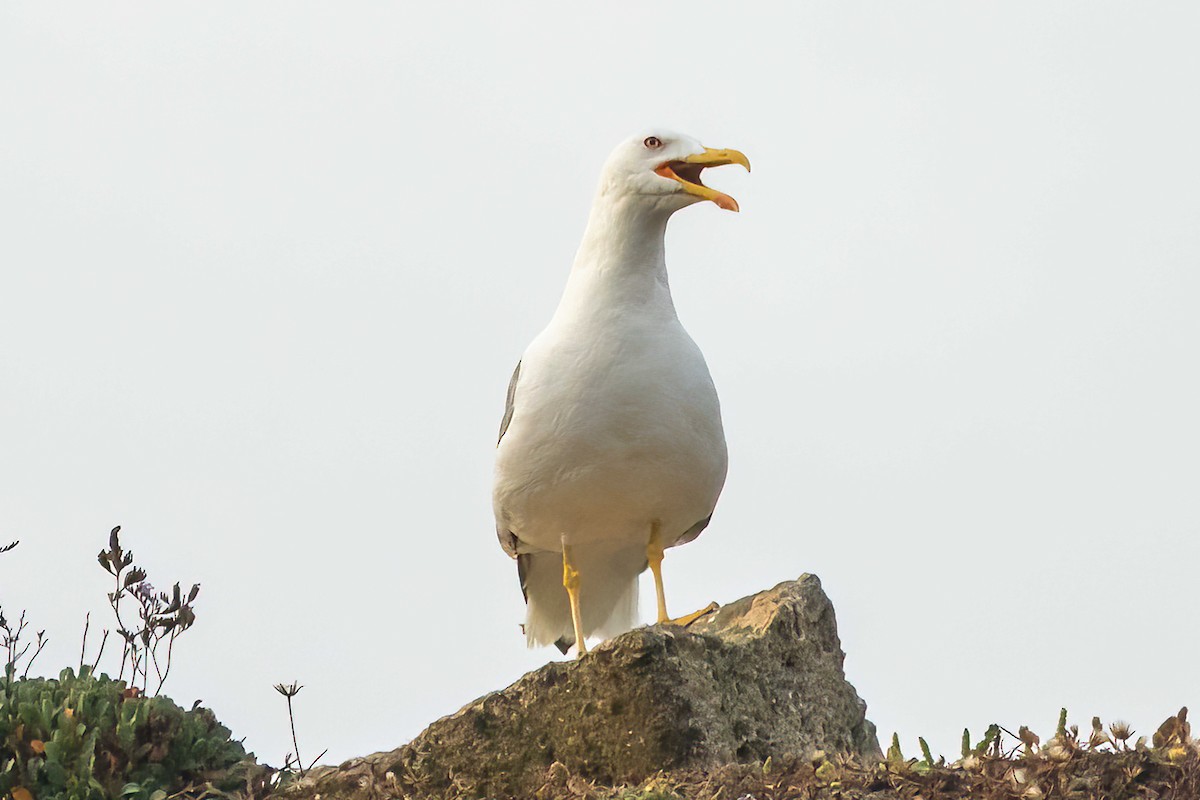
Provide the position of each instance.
(611, 448)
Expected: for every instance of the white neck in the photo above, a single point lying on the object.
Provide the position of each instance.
(621, 263)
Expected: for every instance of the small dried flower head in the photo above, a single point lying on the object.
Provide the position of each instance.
(1120, 730)
(1098, 736)
(288, 690)
(1057, 750)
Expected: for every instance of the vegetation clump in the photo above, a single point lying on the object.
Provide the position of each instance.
(88, 737)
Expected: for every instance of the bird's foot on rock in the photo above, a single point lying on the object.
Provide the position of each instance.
(688, 619)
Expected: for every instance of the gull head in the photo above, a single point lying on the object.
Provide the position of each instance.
(661, 170)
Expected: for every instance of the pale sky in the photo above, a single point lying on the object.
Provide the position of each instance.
(265, 270)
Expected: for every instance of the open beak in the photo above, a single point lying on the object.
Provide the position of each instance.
(687, 172)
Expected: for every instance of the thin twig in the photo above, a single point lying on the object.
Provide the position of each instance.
(146, 663)
(87, 623)
(154, 656)
(12, 639)
(295, 744)
(315, 760)
(103, 641)
(170, 648)
(191, 787)
(41, 642)
(114, 600)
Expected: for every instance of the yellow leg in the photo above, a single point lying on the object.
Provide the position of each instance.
(654, 556)
(571, 584)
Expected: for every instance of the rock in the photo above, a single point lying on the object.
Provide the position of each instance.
(760, 678)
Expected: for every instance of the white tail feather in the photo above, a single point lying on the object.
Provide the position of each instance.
(608, 591)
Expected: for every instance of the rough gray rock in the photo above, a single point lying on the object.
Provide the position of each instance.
(761, 677)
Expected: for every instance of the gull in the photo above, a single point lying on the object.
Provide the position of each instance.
(611, 448)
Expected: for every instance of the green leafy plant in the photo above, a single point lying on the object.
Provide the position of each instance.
(927, 762)
(991, 738)
(83, 737)
(895, 756)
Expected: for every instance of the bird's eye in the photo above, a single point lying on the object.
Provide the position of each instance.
(653, 142)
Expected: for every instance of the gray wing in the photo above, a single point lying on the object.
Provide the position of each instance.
(508, 539)
(694, 531)
(508, 403)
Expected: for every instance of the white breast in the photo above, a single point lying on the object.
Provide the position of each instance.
(616, 424)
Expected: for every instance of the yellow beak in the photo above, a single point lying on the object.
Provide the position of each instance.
(687, 171)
